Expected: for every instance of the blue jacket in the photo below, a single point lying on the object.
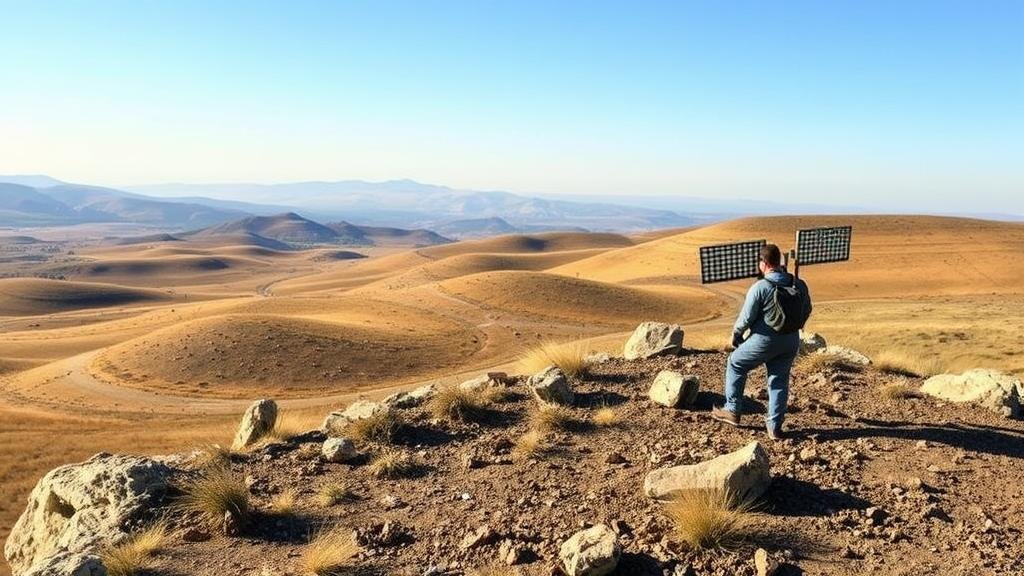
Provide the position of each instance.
(759, 297)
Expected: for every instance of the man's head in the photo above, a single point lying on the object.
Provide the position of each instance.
(771, 258)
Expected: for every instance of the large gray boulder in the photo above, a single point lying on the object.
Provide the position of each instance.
(998, 392)
(358, 410)
(552, 386)
(259, 419)
(69, 564)
(744, 474)
(412, 398)
(653, 339)
(80, 508)
(591, 552)
(673, 389)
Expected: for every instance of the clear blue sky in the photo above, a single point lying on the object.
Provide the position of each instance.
(894, 104)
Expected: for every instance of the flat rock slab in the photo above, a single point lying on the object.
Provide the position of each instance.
(744, 474)
(998, 392)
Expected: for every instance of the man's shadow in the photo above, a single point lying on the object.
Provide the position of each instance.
(996, 440)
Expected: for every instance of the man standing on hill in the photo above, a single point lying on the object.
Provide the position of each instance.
(776, 308)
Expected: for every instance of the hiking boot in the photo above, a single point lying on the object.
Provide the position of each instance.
(727, 416)
(776, 433)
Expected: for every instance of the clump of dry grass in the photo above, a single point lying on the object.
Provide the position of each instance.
(454, 403)
(606, 417)
(214, 455)
(905, 364)
(897, 391)
(286, 427)
(136, 554)
(393, 463)
(570, 357)
(548, 417)
(284, 503)
(329, 553)
(382, 427)
(215, 492)
(826, 362)
(532, 443)
(709, 519)
(334, 493)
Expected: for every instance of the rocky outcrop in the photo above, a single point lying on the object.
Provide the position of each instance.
(79, 508)
(743, 474)
(552, 386)
(673, 389)
(591, 552)
(259, 419)
(811, 342)
(653, 339)
(990, 389)
(846, 354)
(412, 398)
(69, 564)
(358, 410)
(485, 382)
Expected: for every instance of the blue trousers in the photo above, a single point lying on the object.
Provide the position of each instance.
(776, 352)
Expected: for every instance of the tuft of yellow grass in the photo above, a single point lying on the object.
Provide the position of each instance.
(214, 492)
(381, 427)
(288, 426)
(902, 363)
(709, 519)
(822, 362)
(284, 503)
(335, 493)
(213, 455)
(393, 463)
(136, 554)
(549, 417)
(570, 357)
(606, 417)
(454, 403)
(330, 553)
(532, 443)
(897, 391)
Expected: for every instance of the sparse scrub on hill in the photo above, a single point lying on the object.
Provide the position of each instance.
(530, 444)
(393, 463)
(570, 357)
(215, 492)
(904, 364)
(135, 555)
(606, 417)
(334, 493)
(330, 553)
(897, 391)
(826, 362)
(382, 427)
(284, 503)
(550, 417)
(214, 455)
(454, 403)
(709, 519)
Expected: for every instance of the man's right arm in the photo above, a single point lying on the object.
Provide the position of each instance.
(748, 313)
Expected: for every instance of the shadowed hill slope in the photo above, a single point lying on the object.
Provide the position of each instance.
(35, 296)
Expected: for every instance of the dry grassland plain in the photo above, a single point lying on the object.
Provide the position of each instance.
(157, 348)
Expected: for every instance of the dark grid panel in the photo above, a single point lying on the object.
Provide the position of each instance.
(730, 261)
(820, 245)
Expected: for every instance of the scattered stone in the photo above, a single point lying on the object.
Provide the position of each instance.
(232, 524)
(411, 399)
(765, 564)
(673, 390)
(811, 342)
(194, 534)
(513, 553)
(259, 419)
(79, 508)
(358, 410)
(339, 450)
(848, 354)
(480, 537)
(597, 358)
(69, 564)
(391, 502)
(485, 382)
(591, 552)
(809, 454)
(990, 389)
(615, 458)
(743, 473)
(382, 535)
(654, 339)
(875, 514)
(552, 385)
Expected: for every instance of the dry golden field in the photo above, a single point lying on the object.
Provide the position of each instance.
(155, 348)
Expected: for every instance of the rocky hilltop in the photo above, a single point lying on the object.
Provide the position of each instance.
(610, 465)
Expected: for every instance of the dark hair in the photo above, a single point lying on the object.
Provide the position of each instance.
(771, 255)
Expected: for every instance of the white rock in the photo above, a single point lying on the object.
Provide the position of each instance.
(653, 339)
(591, 552)
(339, 450)
(552, 385)
(849, 354)
(358, 410)
(745, 474)
(79, 508)
(672, 389)
(258, 420)
(69, 564)
(412, 398)
(991, 389)
(811, 342)
(485, 382)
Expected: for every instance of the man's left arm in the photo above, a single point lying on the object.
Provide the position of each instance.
(747, 315)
